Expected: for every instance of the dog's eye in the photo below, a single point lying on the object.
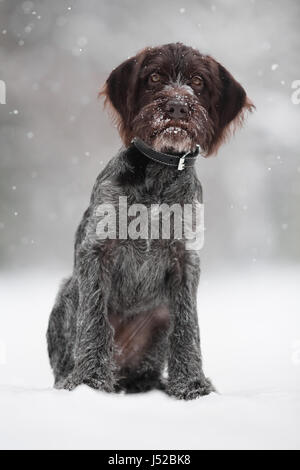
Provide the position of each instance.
(155, 77)
(197, 81)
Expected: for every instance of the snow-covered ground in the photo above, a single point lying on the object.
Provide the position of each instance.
(250, 324)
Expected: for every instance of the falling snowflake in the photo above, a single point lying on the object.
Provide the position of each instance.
(274, 67)
(76, 51)
(29, 28)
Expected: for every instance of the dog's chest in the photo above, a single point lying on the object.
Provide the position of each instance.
(139, 272)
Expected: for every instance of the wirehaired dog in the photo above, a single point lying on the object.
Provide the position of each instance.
(126, 320)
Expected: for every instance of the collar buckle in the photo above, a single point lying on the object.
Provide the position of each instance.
(181, 163)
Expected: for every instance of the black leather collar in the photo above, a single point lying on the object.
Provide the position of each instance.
(180, 162)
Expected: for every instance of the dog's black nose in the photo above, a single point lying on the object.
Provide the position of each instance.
(176, 109)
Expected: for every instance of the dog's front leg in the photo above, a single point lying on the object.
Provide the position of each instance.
(93, 349)
(186, 379)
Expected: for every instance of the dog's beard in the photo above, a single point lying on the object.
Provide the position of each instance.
(173, 139)
(170, 135)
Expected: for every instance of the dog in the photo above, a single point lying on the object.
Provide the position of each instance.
(126, 320)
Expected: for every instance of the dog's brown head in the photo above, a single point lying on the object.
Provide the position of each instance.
(173, 98)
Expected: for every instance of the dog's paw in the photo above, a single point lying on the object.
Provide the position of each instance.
(69, 383)
(95, 381)
(191, 389)
(98, 383)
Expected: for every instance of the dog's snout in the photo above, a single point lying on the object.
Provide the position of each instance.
(176, 109)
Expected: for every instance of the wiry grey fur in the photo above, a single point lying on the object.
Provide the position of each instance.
(128, 277)
(128, 313)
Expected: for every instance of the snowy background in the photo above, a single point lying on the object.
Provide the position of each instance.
(55, 138)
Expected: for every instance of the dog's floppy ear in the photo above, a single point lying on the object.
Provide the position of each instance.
(118, 84)
(119, 92)
(231, 108)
